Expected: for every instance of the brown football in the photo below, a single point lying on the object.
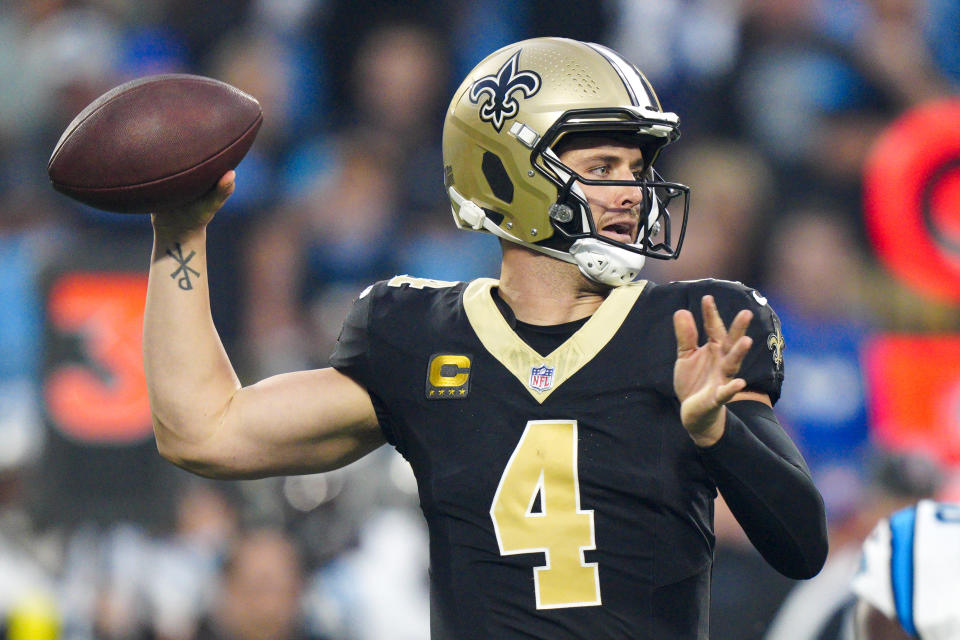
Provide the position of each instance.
(154, 143)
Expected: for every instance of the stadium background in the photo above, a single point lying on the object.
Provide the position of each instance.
(806, 125)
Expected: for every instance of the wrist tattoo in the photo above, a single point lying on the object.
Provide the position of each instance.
(184, 270)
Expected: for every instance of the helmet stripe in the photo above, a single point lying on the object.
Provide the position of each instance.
(634, 81)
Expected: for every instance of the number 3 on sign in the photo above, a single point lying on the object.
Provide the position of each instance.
(544, 466)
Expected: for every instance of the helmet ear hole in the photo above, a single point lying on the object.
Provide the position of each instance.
(497, 176)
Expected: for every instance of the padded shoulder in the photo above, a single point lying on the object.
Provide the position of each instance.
(763, 368)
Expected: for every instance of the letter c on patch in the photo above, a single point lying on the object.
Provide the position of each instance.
(449, 370)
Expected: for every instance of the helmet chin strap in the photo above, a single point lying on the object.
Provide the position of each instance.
(599, 261)
(605, 263)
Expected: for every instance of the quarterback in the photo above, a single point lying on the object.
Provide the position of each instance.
(569, 424)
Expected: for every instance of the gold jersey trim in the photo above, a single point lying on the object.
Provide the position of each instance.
(519, 358)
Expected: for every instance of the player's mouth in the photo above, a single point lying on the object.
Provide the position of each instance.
(622, 229)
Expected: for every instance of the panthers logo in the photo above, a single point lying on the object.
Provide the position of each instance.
(497, 92)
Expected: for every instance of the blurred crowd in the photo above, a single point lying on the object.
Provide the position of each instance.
(781, 102)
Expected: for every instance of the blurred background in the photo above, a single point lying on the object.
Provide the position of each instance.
(821, 139)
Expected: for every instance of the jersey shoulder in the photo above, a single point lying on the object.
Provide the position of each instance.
(409, 302)
(686, 294)
(763, 366)
(394, 310)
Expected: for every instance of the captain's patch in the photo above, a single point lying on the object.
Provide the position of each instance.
(448, 377)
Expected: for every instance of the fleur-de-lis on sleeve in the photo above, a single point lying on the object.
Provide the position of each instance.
(776, 344)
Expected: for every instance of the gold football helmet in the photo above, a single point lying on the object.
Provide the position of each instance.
(504, 177)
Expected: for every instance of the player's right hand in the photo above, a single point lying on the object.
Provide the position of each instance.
(198, 213)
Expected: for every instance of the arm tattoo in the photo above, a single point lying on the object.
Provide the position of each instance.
(184, 270)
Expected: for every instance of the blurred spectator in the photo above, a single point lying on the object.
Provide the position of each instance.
(687, 49)
(340, 229)
(734, 191)
(183, 567)
(436, 249)
(399, 89)
(199, 24)
(29, 239)
(814, 278)
(896, 52)
(57, 58)
(260, 594)
(28, 567)
(380, 589)
(345, 28)
(398, 80)
(858, 63)
(783, 50)
(327, 511)
(125, 582)
(313, 256)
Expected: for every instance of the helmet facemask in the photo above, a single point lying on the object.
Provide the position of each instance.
(599, 257)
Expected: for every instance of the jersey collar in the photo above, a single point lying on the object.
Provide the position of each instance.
(502, 342)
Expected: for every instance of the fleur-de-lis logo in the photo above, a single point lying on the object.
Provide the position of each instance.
(776, 343)
(497, 92)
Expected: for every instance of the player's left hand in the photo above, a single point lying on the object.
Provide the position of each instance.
(704, 377)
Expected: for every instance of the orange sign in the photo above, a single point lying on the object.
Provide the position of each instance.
(914, 389)
(101, 396)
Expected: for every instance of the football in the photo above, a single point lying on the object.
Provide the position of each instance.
(154, 143)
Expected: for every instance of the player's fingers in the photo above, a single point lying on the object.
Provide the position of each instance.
(198, 212)
(212, 201)
(227, 181)
(726, 392)
(224, 189)
(685, 329)
(734, 358)
(738, 328)
(712, 322)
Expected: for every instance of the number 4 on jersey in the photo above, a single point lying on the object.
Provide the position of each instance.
(544, 465)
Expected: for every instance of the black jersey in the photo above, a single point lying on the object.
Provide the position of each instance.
(563, 496)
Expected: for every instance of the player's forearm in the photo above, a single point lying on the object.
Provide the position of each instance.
(768, 487)
(189, 377)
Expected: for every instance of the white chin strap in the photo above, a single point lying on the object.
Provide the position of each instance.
(599, 261)
(605, 263)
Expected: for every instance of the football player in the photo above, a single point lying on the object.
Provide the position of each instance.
(908, 585)
(569, 425)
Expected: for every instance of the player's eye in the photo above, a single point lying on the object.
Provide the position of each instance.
(602, 170)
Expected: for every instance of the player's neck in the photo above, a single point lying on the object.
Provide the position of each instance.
(546, 291)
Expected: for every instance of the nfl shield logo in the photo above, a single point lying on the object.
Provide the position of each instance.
(541, 378)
